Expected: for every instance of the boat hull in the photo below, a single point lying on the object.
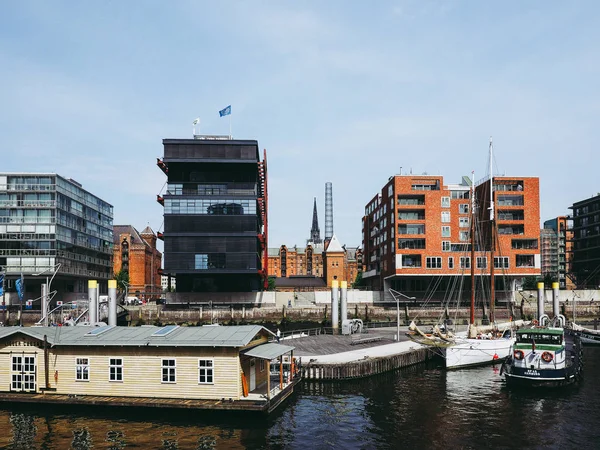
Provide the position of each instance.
(523, 377)
(477, 352)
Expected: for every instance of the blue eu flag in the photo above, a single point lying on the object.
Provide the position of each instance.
(225, 112)
(1, 283)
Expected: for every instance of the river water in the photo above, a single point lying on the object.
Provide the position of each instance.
(421, 407)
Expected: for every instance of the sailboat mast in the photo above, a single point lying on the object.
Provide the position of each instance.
(472, 317)
(492, 237)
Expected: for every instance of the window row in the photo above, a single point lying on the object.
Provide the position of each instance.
(168, 373)
(210, 207)
(435, 262)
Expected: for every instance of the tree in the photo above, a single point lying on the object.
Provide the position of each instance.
(530, 283)
(358, 282)
(271, 286)
(122, 277)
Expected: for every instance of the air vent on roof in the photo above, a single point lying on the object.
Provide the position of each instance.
(165, 330)
(99, 330)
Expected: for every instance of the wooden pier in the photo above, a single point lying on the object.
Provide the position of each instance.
(364, 368)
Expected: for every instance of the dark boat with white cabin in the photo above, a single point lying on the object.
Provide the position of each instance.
(544, 356)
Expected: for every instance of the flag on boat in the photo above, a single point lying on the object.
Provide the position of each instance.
(225, 111)
(533, 345)
(1, 283)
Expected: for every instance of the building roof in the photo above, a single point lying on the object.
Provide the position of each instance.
(136, 237)
(268, 351)
(148, 230)
(334, 245)
(273, 251)
(147, 336)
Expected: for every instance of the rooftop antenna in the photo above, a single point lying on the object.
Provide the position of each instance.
(196, 122)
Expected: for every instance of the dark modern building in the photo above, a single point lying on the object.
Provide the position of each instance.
(50, 225)
(215, 216)
(586, 242)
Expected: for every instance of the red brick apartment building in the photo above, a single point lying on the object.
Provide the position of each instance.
(416, 235)
(136, 253)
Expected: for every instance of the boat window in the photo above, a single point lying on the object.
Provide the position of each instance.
(530, 338)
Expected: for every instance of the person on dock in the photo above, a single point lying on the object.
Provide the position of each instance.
(278, 335)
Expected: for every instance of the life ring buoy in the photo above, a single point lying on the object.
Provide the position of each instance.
(519, 355)
(547, 357)
(535, 322)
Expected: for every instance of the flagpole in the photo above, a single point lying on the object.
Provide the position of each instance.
(230, 135)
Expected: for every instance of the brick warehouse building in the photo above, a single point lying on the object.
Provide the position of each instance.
(136, 253)
(416, 233)
(316, 260)
(215, 216)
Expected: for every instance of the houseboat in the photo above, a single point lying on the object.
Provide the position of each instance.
(209, 367)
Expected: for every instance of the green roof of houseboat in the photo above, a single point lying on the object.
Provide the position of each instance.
(541, 330)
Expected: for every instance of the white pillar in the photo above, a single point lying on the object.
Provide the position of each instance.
(335, 320)
(343, 301)
(540, 300)
(555, 308)
(112, 303)
(92, 301)
(45, 303)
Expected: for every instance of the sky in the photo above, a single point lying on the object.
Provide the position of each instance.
(344, 92)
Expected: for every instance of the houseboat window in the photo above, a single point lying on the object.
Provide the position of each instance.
(261, 365)
(82, 369)
(168, 371)
(116, 369)
(205, 371)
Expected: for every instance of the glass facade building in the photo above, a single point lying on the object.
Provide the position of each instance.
(48, 222)
(214, 215)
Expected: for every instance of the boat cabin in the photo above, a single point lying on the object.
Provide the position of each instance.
(206, 365)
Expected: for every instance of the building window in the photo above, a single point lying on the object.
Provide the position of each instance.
(82, 369)
(463, 208)
(445, 216)
(205, 371)
(501, 262)
(451, 262)
(463, 236)
(445, 231)
(445, 246)
(200, 262)
(481, 262)
(433, 262)
(465, 262)
(261, 365)
(168, 371)
(445, 202)
(115, 369)
(463, 222)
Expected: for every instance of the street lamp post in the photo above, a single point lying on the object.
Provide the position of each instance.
(397, 296)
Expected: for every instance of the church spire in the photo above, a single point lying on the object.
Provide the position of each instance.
(315, 232)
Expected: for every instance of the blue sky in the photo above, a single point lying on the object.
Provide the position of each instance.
(338, 91)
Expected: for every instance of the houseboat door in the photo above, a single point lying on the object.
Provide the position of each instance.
(252, 374)
(23, 373)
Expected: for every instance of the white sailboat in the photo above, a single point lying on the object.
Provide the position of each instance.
(479, 344)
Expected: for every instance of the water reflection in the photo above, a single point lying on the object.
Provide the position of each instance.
(421, 407)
